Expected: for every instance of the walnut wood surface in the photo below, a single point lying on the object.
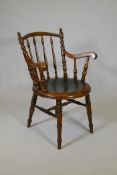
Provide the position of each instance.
(39, 34)
(59, 121)
(89, 112)
(58, 88)
(65, 89)
(82, 55)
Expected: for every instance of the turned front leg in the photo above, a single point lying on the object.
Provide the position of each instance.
(59, 121)
(32, 107)
(89, 112)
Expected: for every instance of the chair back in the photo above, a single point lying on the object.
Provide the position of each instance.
(35, 47)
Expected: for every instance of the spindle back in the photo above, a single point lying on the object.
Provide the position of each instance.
(34, 50)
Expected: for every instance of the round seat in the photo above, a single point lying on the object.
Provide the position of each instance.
(65, 88)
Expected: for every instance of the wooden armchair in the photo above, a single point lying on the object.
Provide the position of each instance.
(55, 87)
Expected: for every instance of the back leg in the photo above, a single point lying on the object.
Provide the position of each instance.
(89, 112)
(59, 121)
(32, 107)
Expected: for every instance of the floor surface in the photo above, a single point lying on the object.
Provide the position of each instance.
(34, 151)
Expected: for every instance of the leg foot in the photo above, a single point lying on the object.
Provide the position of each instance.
(89, 112)
(32, 107)
(59, 121)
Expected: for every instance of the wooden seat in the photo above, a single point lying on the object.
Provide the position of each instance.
(48, 83)
(65, 89)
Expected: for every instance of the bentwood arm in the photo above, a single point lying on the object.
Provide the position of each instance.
(82, 55)
(86, 55)
(41, 65)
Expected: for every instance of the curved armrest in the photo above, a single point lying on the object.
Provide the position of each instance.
(41, 65)
(82, 55)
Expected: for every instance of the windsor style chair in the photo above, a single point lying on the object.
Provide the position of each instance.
(55, 87)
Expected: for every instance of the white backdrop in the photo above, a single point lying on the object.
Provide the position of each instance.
(88, 26)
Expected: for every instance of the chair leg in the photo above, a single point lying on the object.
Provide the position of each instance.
(59, 121)
(32, 107)
(89, 112)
